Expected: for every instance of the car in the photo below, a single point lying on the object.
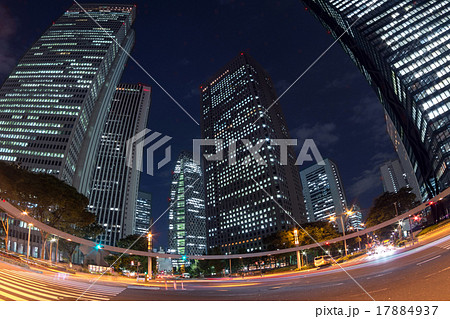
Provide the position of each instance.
(323, 261)
(186, 275)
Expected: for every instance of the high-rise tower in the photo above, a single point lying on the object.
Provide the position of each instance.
(402, 48)
(115, 185)
(187, 227)
(54, 104)
(237, 113)
(323, 191)
(143, 213)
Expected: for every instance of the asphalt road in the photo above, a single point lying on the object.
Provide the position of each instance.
(421, 273)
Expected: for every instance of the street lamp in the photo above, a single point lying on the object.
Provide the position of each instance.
(333, 218)
(149, 258)
(28, 247)
(296, 242)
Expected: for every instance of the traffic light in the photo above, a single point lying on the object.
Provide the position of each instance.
(184, 257)
(98, 247)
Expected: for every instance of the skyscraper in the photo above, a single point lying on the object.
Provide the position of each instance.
(323, 191)
(187, 227)
(401, 47)
(237, 113)
(115, 185)
(54, 104)
(355, 220)
(143, 213)
(394, 177)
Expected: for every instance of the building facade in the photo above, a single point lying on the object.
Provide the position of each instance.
(143, 213)
(114, 188)
(54, 103)
(239, 110)
(355, 220)
(401, 47)
(323, 191)
(394, 177)
(187, 221)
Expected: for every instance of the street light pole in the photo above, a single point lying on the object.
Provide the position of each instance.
(149, 260)
(28, 247)
(299, 263)
(343, 231)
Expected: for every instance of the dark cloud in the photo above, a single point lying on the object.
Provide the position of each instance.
(192, 93)
(7, 31)
(281, 86)
(369, 114)
(323, 134)
(344, 82)
(370, 179)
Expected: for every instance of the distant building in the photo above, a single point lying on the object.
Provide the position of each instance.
(393, 177)
(187, 221)
(163, 264)
(323, 191)
(143, 213)
(405, 163)
(115, 185)
(355, 220)
(18, 237)
(238, 103)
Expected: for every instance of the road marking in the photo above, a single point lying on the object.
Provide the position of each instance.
(445, 246)
(9, 296)
(437, 272)
(143, 287)
(66, 289)
(371, 292)
(425, 261)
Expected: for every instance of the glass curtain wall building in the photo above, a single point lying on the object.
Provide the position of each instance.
(237, 113)
(114, 190)
(55, 101)
(402, 48)
(323, 191)
(187, 226)
(143, 213)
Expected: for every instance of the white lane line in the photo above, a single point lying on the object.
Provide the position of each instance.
(143, 287)
(425, 261)
(435, 273)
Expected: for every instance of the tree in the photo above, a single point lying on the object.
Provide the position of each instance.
(134, 242)
(45, 198)
(89, 232)
(207, 265)
(388, 205)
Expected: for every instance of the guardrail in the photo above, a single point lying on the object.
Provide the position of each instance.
(17, 214)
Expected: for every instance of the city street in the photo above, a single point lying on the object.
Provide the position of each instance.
(417, 273)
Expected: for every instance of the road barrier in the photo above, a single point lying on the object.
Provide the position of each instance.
(17, 214)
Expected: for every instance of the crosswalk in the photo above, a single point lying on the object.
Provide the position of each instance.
(445, 245)
(21, 286)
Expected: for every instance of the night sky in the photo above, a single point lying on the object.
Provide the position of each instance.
(183, 43)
